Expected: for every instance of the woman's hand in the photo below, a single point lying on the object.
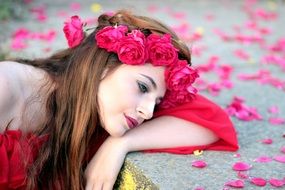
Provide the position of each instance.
(103, 169)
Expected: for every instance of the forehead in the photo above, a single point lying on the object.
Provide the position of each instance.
(156, 72)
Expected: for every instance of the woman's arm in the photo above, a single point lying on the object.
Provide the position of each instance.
(167, 132)
(161, 132)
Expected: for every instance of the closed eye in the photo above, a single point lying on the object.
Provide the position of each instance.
(142, 87)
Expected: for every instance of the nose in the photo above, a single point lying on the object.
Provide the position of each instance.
(145, 109)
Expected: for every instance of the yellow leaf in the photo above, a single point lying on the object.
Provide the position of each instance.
(198, 152)
(96, 7)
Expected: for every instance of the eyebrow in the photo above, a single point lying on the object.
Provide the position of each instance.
(151, 80)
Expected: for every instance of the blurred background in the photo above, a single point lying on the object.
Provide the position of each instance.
(237, 46)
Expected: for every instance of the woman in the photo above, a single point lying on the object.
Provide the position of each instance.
(68, 121)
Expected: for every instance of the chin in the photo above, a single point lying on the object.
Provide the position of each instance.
(117, 133)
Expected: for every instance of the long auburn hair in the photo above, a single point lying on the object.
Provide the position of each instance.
(72, 107)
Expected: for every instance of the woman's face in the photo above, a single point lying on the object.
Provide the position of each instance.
(127, 96)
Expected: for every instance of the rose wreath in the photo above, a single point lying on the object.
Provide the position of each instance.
(134, 48)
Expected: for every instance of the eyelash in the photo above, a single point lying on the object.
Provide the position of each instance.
(142, 87)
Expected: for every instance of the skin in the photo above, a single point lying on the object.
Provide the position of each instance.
(129, 91)
(162, 132)
(114, 100)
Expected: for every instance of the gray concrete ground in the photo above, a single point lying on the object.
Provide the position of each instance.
(174, 172)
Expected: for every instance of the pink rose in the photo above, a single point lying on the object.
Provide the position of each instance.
(131, 48)
(109, 36)
(181, 76)
(161, 51)
(73, 31)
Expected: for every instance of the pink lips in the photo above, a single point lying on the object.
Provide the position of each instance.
(132, 123)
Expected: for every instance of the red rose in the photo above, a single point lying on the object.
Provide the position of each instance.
(109, 36)
(131, 49)
(160, 49)
(180, 76)
(73, 31)
(173, 98)
(168, 100)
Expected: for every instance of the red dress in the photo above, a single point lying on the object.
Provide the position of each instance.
(14, 148)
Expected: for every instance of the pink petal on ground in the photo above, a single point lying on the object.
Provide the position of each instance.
(18, 44)
(237, 155)
(241, 54)
(265, 30)
(243, 112)
(227, 84)
(258, 181)
(199, 164)
(273, 109)
(39, 12)
(235, 183)
(178, 15)
(21, 33)
(209, 17)
(75, 6)
(282, 149)
(279, 158)
(182, 28)
(276, 182)
(263, 159)
(243, 175)
(267, 141)
(276, 120)
(241, 166)
(152, 8)
(199, 188)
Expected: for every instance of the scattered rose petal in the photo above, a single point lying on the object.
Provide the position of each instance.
(258, 181)
(273, 109)
(39, 12)
(237, 155)
(243, 175)
(279, 158)
(241, 166)
(209, 17)
(263, 159)
(152, 8)
(241, 54)
(276, 182)
(267, 141)
(18, 44)
(199, 188)
(282, 149)
(178, 15)
(199, 164)
(235, 183)
(276, 120)
(75, 6)
(243, 112)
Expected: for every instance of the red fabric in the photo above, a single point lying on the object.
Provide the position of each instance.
(16, 153)
(207, 114)
(14, 148)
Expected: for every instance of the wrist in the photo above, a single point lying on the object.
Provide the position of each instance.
(120, 142)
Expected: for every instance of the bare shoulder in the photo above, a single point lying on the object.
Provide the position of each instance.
(8, 91)
(19, 82)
